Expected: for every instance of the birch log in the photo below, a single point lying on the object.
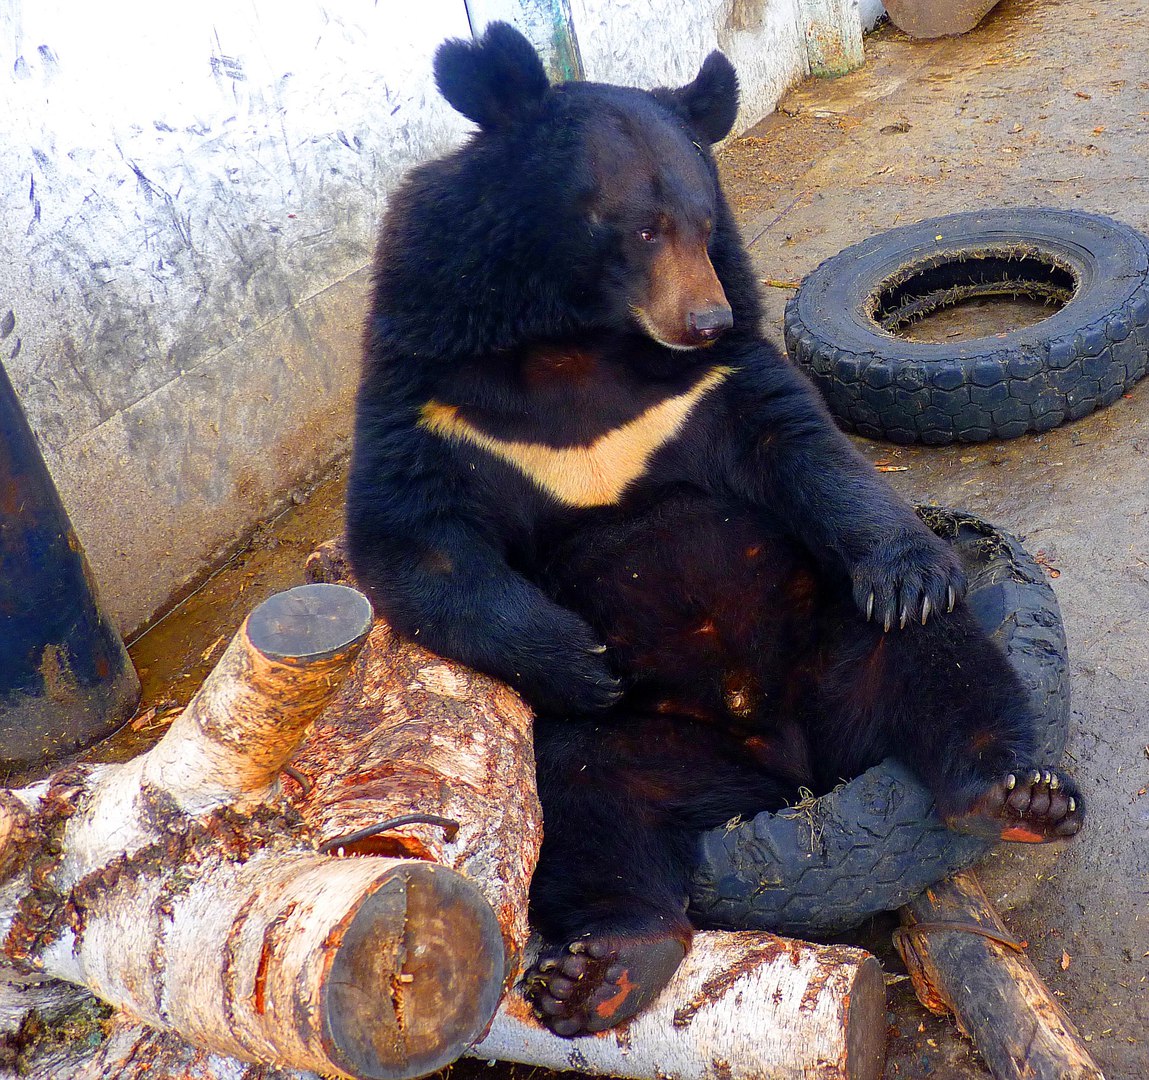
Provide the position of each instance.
(962, 960)
(182, 888)
(134, 1051)
(411, 732)
(416, 732)
(742, 1006)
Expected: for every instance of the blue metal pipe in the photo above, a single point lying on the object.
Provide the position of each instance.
(65, 678)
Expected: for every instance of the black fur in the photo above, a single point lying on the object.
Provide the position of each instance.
(710, 103)
(729, 581)
(497, 82)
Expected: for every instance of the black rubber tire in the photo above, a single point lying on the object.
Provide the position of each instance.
(1080, 358)
(875, 843)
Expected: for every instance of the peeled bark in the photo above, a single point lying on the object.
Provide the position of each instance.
(182, 888)
(963, 961)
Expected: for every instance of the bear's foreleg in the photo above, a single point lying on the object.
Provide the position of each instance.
(781, 452)
(943, 699)
(418, 550)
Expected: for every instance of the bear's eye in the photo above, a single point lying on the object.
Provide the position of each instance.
(647, 235)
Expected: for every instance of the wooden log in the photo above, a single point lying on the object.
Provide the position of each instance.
(277, 675)
(181, 888)
(412, 732)
(408, 733)
(963, 961)
(130, 1050)
(742, 1006)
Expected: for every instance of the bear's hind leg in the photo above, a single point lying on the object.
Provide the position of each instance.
(609, 898)
(944, 700)
(624, 800)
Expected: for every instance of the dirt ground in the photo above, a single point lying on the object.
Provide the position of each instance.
(1045, 104)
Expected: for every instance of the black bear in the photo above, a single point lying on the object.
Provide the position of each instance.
(578, 466)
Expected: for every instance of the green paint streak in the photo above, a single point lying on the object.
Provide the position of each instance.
(564, 64)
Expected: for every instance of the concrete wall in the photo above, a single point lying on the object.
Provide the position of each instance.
(869, 12)
(761, 37)
(188, 197)
(188, 200)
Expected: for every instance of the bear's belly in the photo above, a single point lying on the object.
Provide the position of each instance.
(707, 612)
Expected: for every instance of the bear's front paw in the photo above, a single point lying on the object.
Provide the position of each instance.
(550, 655)
(578, 682)
(907, 577)
(558, 664)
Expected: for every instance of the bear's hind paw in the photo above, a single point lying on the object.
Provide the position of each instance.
(596, 982)
(1029, 807)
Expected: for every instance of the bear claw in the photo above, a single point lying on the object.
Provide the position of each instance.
(595, 983)
(1028, 808)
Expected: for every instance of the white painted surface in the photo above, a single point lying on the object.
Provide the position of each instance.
(189, 196)
(870, 11)
(145, 154)
(833, 30)
(663, 44)
(546, 24)
(187, 193)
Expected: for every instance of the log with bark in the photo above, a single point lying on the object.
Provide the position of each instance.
(325, 932)
(742, 1006)
(410, 733)
(182, 888)
(963, 961)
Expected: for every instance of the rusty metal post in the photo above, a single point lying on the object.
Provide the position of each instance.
(65, 677)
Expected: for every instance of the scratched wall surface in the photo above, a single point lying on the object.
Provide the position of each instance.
(188, 199)
(189, 196)
(763, 38)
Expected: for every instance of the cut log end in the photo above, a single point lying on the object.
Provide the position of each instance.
(310, 623)
(279, 673)
(865, 1021)
(430, 940)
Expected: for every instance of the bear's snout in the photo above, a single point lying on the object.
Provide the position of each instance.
(684, 306)
(708, 322)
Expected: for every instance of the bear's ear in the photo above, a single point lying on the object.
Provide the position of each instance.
(710, 103)
(496, 81)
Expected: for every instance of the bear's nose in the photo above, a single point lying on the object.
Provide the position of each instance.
(707, 324)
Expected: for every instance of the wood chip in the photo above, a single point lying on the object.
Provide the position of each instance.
(144, 719)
